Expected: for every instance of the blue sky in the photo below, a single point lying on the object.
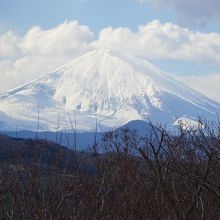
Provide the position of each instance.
(20, 15)
(97, 14)
(198, 16)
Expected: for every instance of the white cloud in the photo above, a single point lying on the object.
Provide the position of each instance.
(192, 12)
(156, 40)
(8, 44)
(68, 38)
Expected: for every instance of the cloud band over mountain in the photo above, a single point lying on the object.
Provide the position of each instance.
(29, 56)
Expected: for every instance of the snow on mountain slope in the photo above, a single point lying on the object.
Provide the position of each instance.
(106, 86)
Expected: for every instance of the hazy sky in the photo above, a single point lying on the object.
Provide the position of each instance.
(181, 36)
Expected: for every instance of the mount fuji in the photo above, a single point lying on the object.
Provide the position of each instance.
(100, 90)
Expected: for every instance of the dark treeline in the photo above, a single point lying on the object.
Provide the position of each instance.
(160, 176)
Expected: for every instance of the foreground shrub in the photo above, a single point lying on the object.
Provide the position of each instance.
(160, 176)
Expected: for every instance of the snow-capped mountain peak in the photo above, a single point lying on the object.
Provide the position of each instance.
(107, 86)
